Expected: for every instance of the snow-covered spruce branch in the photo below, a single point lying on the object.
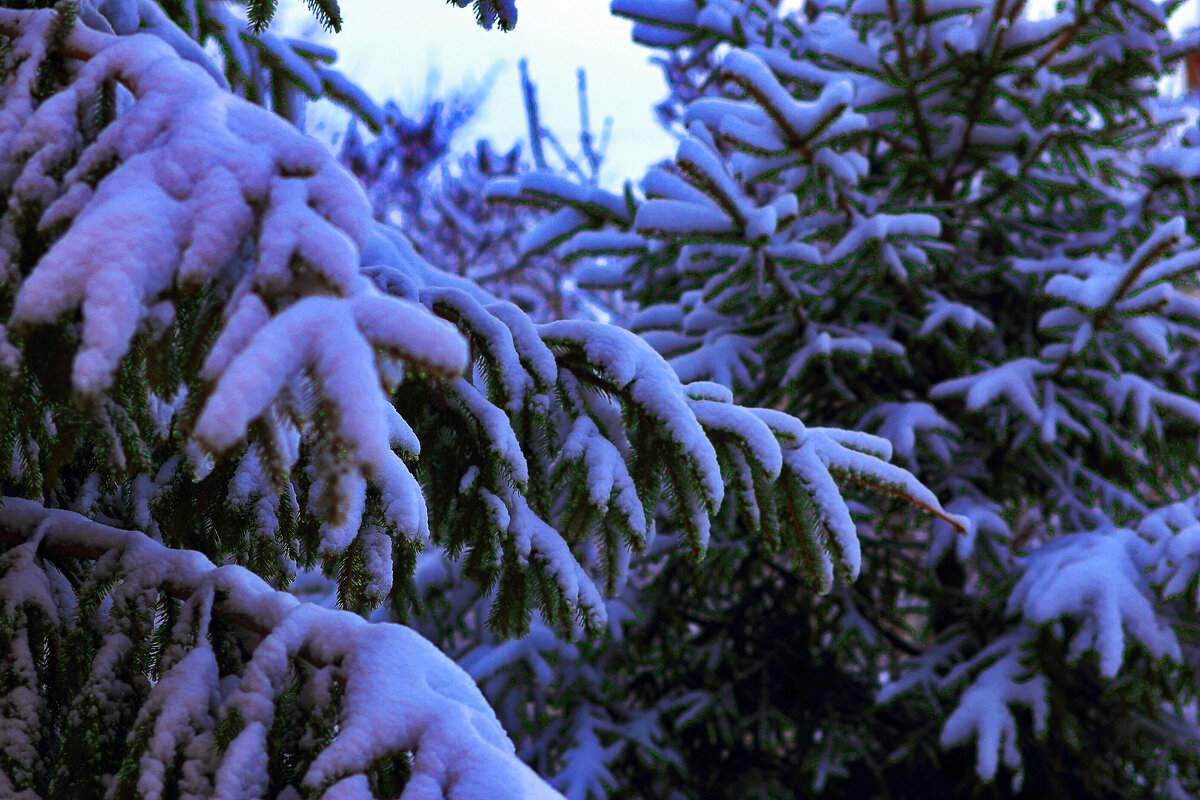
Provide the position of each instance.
(390, 697)
(255, 63)
(624, 432)
(908, 217)
(241, 257)
(1123, 591)
(190, 213)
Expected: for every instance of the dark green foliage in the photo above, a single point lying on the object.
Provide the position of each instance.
(948, 237)
(260, 12)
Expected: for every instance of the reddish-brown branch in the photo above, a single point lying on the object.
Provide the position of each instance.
(942, 515)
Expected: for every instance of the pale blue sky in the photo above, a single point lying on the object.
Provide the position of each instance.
(389, 46)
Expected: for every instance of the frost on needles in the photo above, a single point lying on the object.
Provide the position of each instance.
(217, 370)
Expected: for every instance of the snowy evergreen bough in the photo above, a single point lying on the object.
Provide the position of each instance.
(220, 378)
(971, 233)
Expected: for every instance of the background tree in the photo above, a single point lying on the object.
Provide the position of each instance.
(438, 200)
(216, 370)
(972, 233)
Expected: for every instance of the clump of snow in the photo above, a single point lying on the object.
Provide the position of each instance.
(401, 693)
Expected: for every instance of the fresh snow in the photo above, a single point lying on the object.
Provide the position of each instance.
(401, 692)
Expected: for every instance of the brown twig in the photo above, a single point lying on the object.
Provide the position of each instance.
(942, 515)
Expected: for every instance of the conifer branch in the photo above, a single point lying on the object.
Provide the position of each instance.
(950, 519)
(396, 676)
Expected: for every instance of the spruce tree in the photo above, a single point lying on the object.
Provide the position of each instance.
(972, 233)
(218, 372)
